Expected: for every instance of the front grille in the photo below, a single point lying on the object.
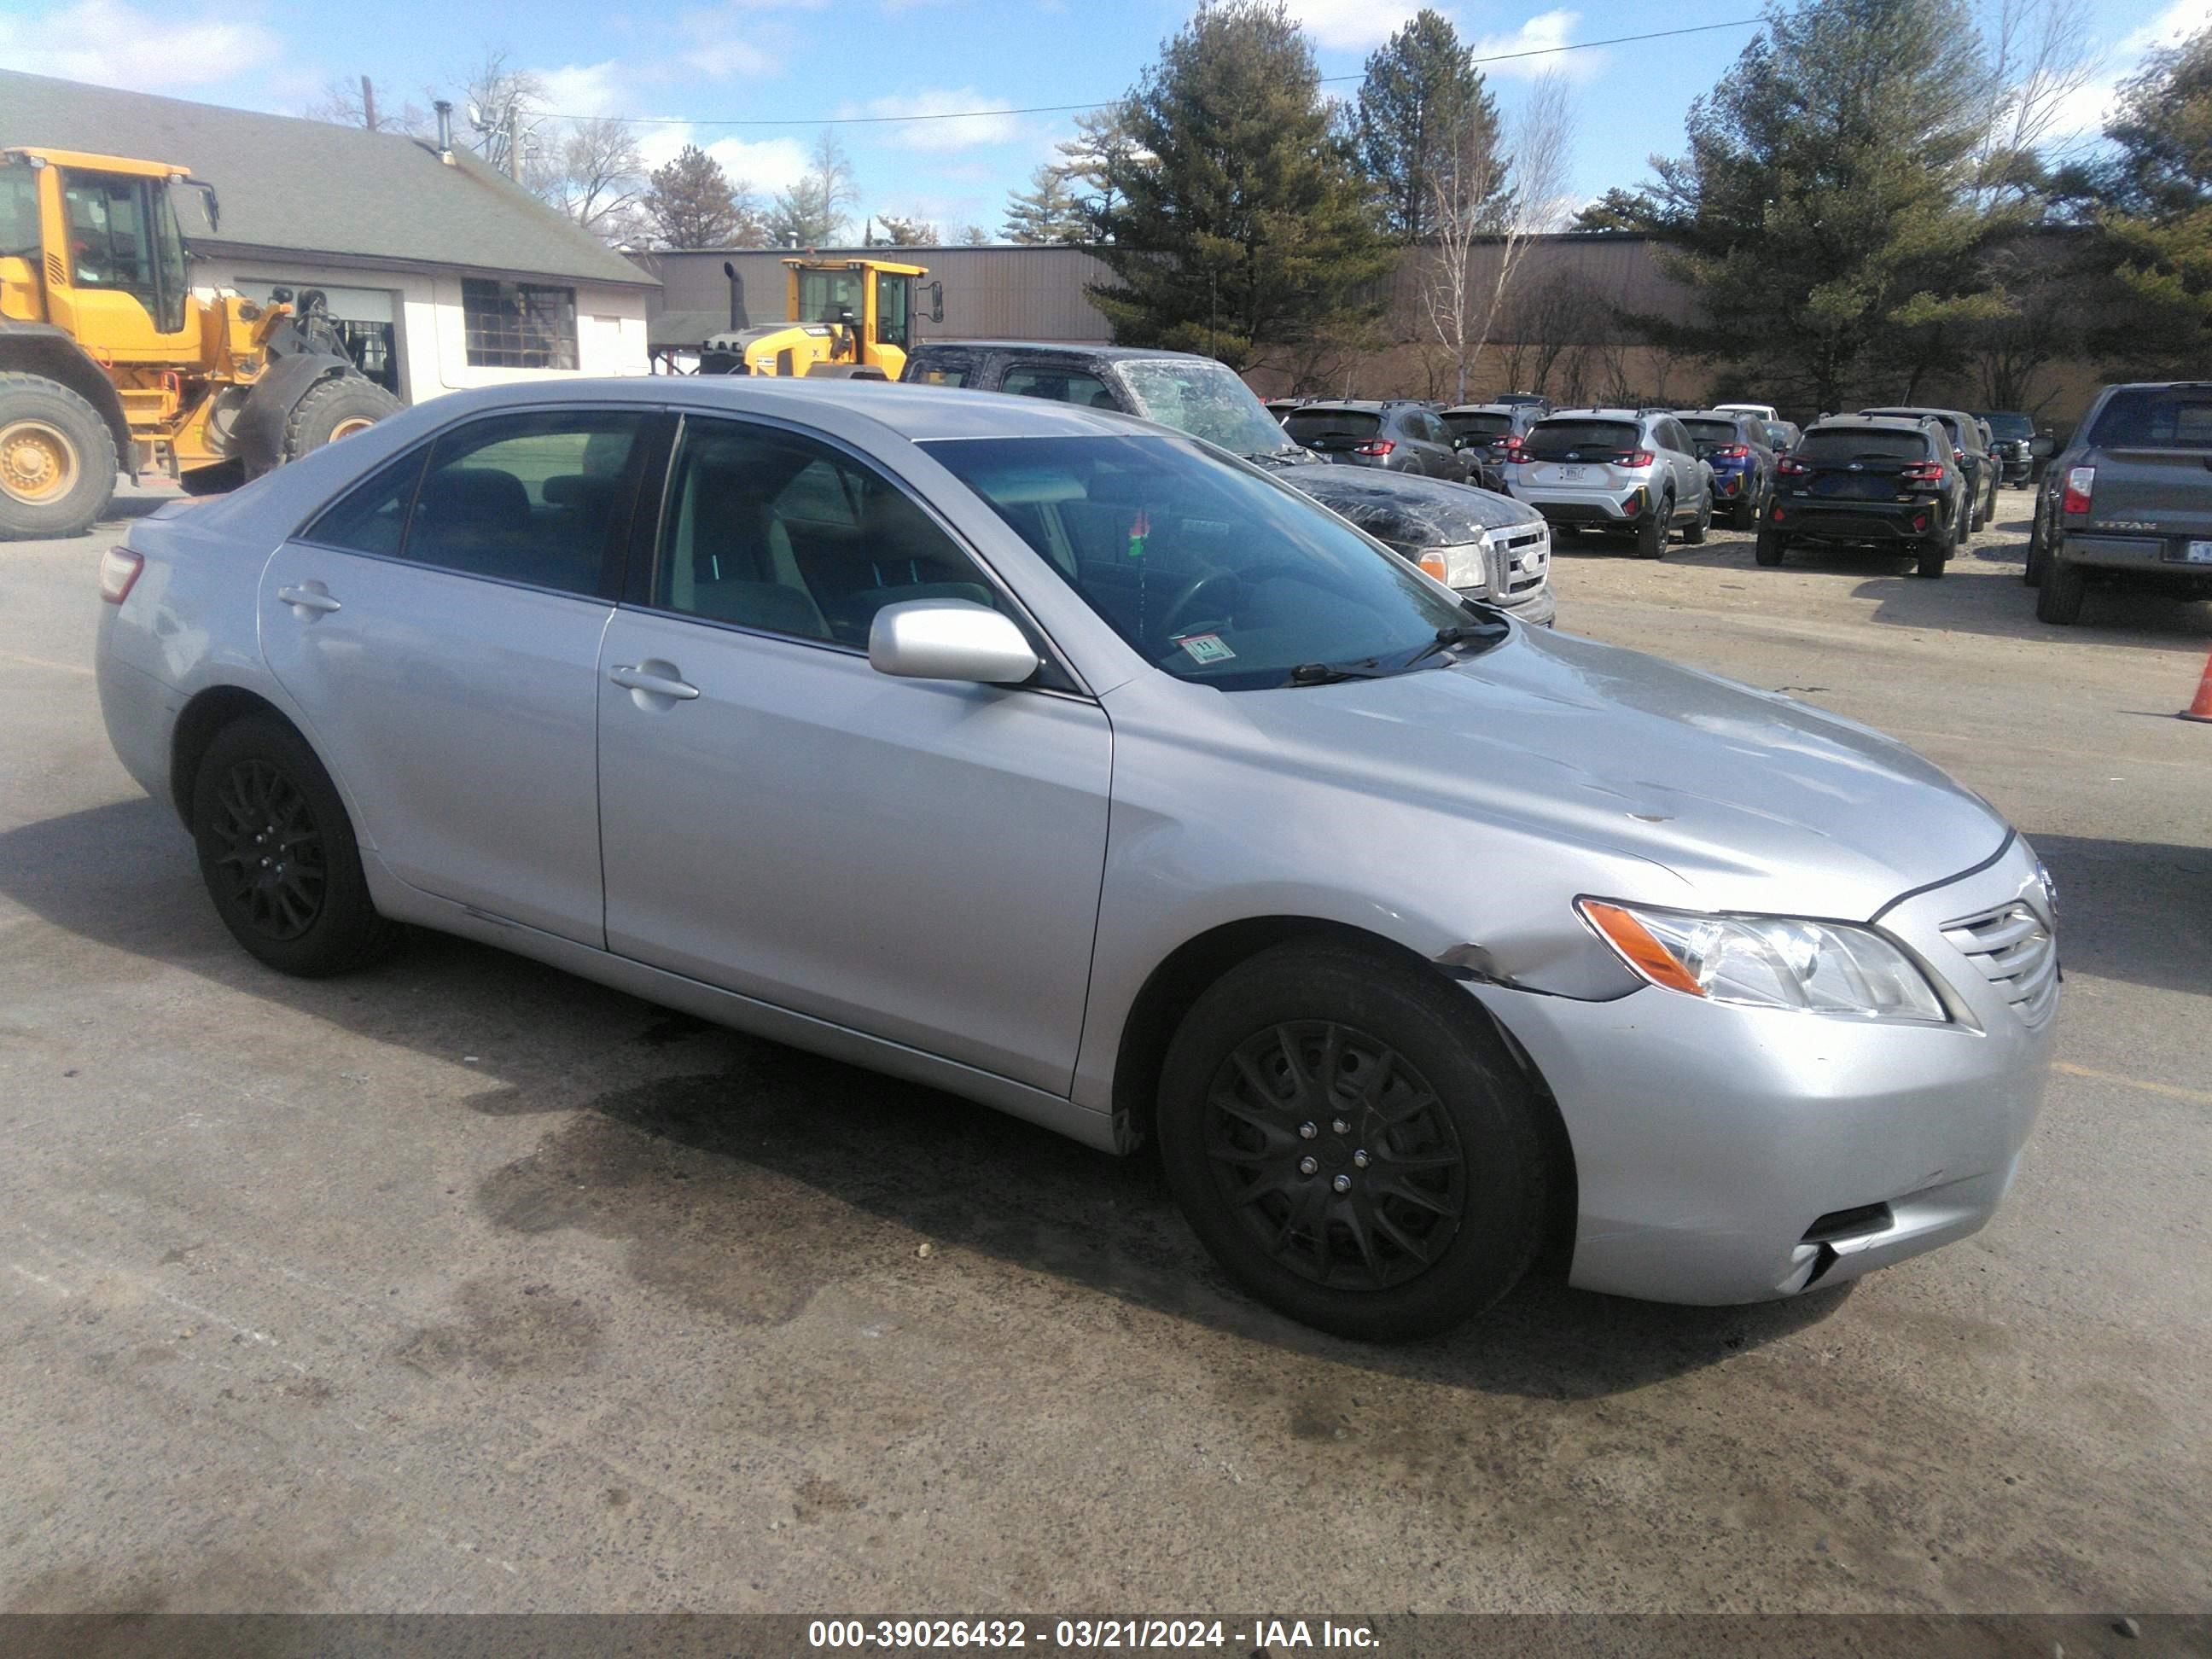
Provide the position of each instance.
(2014, 948)
(1518, 560)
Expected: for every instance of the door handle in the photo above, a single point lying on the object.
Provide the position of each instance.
(657, 685)
(309, 599)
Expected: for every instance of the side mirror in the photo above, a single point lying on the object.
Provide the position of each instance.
(949, 639)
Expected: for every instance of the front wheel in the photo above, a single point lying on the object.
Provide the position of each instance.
(334, 408)
(277, 852)
(1353, 1143)
(57, 460)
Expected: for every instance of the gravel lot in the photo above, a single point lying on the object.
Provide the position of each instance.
(462, 1285)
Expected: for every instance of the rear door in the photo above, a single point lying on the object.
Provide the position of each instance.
(438, 628)
(1858, 463)
(2152, 448)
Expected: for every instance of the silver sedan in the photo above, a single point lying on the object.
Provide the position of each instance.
(1059, 761)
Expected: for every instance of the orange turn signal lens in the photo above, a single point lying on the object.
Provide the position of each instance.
(1433, 563)
(1638, 946)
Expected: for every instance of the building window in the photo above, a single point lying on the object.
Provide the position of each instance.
(518, 324)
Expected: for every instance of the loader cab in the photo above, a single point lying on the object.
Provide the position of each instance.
(869, 301)
(103, 250)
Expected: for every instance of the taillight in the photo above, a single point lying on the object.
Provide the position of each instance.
(1922, 472)
(1636, 457)
(1509, 441)
(118, 570)
(2079, 480)
(1374, 446)
(1960, 456)
(1732, 451)
(1791, 467)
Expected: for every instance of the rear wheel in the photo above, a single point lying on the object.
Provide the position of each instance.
(1746, 515)
(57, 460)
(1652, 533)
(1694, 535)
(2058, 598)
(1352, 1143)
(334, 408)
(277, 852)
(1772, 544)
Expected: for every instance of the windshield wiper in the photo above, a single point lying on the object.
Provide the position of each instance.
(1288, 455)
(1328, 673)
(1374, 668)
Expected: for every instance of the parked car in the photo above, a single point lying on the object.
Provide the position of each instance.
(1762, 411)
(1535, 400)
(1489, 436)
(1414, 516)
(1616, 468)
(1482, 546)
(1032, 753)
(1890, 481)
(2130, 496)
(1734, 447)
(1972, 456)
(1391, 437)
(1280, 407)
(2014, 444)
(1782, 436)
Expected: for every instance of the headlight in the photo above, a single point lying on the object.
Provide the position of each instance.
(1768, 962)
(1463, 565)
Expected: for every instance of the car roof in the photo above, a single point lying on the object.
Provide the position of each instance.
(1487, 409)
(1717, 415)
(1876, 423)
(1923, 410)
(1357, 405)
(1091, 348)
(1630, 415)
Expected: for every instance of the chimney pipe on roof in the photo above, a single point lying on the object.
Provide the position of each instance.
(445, 131)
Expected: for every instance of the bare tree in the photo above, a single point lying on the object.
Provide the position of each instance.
(594, 173)
(356, 103)
(812, 212)
(1463, 306)
(506, 107)
(2040, 54)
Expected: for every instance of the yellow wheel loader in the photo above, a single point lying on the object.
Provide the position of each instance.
(109, 362)
(853, 319)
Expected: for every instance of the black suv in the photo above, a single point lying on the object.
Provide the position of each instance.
(1396, 437)
(1893, 480)
(1971, 453)
(1491, 436)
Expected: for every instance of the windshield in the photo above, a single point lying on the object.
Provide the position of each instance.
(1864, 443)
(2155, 417)
(825, 296)
(2009, 425)
(1308, 424)
(1205, 400)
(1211, 572)
(1478, 426)
(1592, 438)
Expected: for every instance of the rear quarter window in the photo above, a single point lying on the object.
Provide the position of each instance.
(2155, 417)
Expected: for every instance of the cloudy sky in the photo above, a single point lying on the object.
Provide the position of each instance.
(755, 80)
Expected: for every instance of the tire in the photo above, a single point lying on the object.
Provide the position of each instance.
(2058, 598)
(1651, 534)
(1372, 1035)
(1693, 534)
(1979, 518)
(1933, 556)
(1744, 515)
(2031, 572)
(1772, 545)
(315, 918)
(57, 460)
(1962, 530)
(333, 410)
(215, 480)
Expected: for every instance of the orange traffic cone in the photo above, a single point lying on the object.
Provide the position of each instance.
(2202, 708)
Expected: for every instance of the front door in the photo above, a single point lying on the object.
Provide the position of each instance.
(438, 628)
(917, 860)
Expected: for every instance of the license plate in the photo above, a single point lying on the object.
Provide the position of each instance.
(2197, 553)
(1568, 474)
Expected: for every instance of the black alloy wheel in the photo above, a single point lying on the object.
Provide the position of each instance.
(1335, 1155)
(268, 850)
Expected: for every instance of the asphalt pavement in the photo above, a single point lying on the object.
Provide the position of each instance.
(460, 1284)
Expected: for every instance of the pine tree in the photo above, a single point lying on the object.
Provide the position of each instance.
(1046, 212)
(691, 203)
(1423, 100)
(1824, 212)
(1250, 229)
(895, 232)
(1093, 163)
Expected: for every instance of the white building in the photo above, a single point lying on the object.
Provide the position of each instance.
(444, 274)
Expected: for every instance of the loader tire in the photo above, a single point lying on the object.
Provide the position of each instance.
(335, 409)
(57, 460)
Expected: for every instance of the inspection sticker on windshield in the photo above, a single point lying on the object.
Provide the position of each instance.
(1205, 647)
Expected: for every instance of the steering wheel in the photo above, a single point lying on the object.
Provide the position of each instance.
(1224, 583)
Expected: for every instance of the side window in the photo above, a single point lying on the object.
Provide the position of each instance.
(942, 369)
(371, 518)
(890, 308)
(768, 530)
(542, 498)
(1060, 385)
(108, 241)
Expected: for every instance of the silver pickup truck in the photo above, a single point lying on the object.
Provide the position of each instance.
(2130, 496)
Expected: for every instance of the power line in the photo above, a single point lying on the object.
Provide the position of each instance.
(1064, 109)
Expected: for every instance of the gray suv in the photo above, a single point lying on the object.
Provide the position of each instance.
(1616, 468)
(2130, 496)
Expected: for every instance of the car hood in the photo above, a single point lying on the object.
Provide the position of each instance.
(1409, 512)
(1754, 800)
